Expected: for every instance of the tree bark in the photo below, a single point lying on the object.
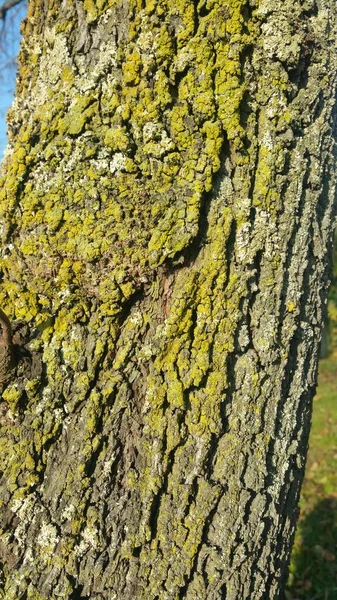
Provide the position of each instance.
(167, 213)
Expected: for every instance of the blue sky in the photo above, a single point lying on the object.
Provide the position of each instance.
(9, 47)
(5, 101)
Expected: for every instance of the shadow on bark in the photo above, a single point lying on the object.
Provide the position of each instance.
(313, 571)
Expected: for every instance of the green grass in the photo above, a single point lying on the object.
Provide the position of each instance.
(313, 570)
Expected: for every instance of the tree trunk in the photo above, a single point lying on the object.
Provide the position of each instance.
(167, 215)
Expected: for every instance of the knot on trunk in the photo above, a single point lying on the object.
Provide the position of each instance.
(7, 358)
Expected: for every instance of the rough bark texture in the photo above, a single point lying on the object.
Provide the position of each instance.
(167, 212)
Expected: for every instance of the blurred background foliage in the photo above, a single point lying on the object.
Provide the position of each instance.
(11, 14)
(332, 307)
(313, 569)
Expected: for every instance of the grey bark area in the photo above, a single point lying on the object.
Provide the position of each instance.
(167, 209)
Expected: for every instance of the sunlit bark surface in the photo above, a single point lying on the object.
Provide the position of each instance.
(167, 210)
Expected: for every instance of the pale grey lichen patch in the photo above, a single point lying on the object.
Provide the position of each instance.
(280, 40)
(53, 60)
(89, 539)
(118, 162)
(243, 239)
(28, 511)
(106, 63)
(47, 539)
(68, 512)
